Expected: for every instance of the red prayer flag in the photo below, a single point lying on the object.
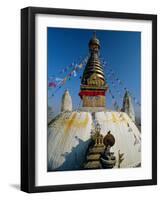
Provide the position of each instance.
(52, 84)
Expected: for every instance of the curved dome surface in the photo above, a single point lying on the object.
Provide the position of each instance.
(68, 140)
(69, 136)
(127, 137)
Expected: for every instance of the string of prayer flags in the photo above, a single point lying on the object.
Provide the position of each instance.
(111, 74)
(114, 101)
(57, 82)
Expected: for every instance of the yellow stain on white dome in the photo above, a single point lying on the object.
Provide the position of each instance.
(76, 121)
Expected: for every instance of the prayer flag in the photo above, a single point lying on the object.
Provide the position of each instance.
(74, 73)
(52, 84)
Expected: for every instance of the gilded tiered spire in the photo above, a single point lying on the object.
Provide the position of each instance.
(93, 84)
(93, 65)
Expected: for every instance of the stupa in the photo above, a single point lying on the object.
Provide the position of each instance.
(93, 85)
(128, 106)
(66, 102)
(70, 132)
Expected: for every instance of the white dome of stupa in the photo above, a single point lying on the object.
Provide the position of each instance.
(69, 135)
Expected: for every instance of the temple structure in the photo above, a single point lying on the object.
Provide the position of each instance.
(93, 84)
(99, 155)
(74, 140)
(128, 106)
(66, 102)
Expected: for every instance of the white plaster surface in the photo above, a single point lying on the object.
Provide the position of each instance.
(69, 136)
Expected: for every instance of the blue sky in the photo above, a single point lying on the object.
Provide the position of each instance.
(121, 50)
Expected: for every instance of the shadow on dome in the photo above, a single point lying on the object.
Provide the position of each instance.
(75, 159)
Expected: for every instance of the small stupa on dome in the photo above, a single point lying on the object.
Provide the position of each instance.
(93, 84)
(96, 148)
(128, 106)
(99, 155)
(66, 104)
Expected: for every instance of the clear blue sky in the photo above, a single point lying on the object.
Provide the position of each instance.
(121, 50)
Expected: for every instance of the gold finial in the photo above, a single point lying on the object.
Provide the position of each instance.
(98, 128)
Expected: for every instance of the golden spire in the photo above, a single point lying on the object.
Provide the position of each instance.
(93, 84)
(93, 68)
